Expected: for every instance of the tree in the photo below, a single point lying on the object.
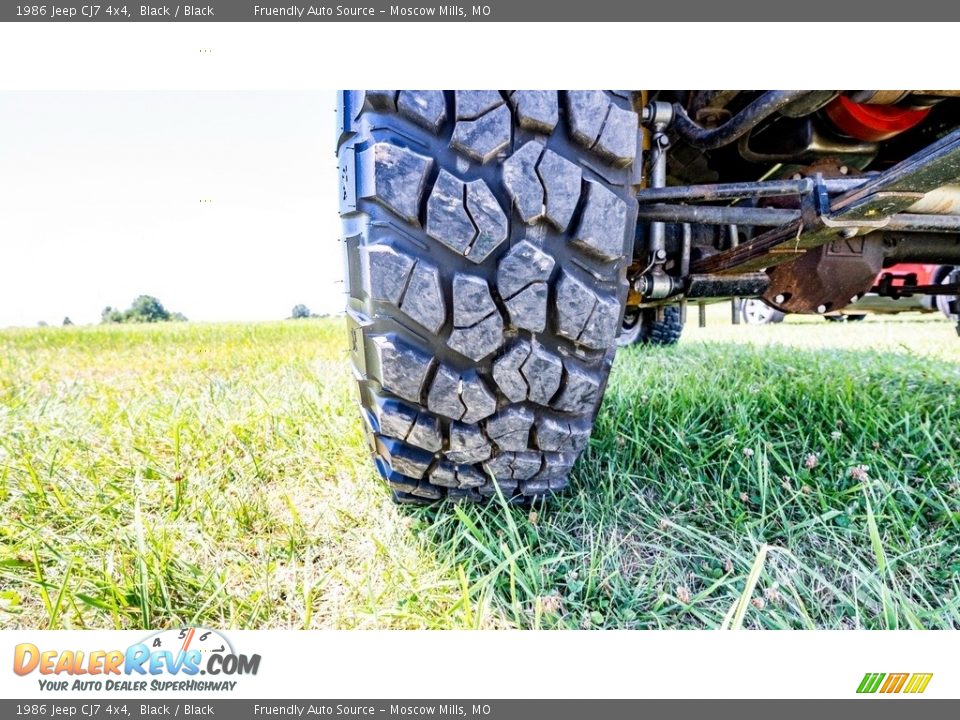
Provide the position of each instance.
(145, 309)
(300, 311)
(111, 315)
(67, 321)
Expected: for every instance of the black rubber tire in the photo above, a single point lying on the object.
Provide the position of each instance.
(647, 330)
(845, 318)
(487, 236)
(666, 331)
(948, 305)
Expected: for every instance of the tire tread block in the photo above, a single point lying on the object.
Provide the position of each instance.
(585, 316)
(527, 371)
(464, 397)
(410, 285)
(603, 126)
(509, 429)
(477, 324)
(536, 110)
(403, 369)
(397, 179)
(427, 108)
(483, 138)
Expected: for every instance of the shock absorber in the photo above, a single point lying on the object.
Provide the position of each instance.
(661, 115)
(654, 283)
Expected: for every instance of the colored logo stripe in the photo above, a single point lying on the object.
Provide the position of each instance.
(870, 682)
(918, 682)
(894, 683)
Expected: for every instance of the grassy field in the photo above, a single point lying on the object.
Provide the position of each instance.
(794, 476)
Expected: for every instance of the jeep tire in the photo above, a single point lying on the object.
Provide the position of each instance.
(641, 326)
(487, 235)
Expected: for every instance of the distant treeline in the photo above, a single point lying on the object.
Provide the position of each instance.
(145, 309)
(148, 309)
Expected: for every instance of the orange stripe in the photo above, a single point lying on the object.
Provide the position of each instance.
(894, 682)
(186, 642)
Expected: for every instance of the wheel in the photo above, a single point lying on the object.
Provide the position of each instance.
(641, 326)
(756, 312)
(947, 304)
(845, 318)
(486, 236)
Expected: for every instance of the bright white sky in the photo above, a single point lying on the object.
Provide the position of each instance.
(100, 201)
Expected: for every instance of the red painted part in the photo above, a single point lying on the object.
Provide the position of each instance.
(926, 274)
(871, 123)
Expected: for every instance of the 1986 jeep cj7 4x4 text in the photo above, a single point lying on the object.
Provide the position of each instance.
(498, 242)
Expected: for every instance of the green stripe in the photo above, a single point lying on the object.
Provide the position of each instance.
(877, 682)
(871, 682)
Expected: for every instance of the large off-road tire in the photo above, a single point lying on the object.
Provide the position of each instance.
(487, 236)
(642, 327)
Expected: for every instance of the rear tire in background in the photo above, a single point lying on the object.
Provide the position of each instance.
(756, 312)
(857, 317)
(640, 326)
(487, 236)
(948, 304)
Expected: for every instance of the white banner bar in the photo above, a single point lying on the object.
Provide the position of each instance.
(504, 665)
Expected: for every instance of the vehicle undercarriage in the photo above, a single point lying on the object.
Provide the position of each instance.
(799, 197)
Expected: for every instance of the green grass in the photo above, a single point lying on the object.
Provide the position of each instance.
(217, 475)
